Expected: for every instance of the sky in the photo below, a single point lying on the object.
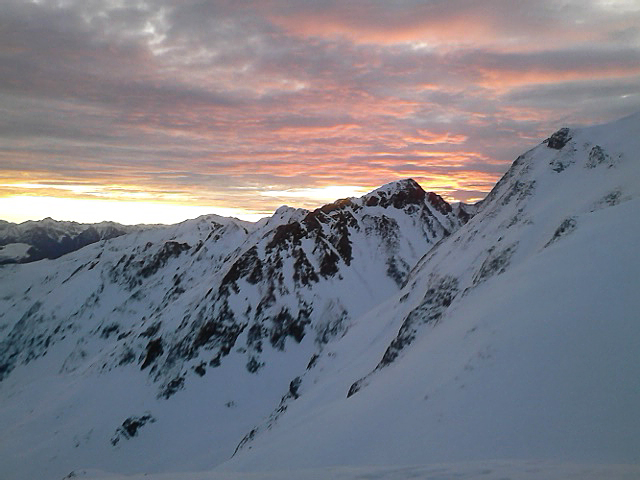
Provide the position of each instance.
(146, 111)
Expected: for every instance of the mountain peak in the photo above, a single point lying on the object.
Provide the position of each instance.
(406, 184)
(398, 194)
(559, 139)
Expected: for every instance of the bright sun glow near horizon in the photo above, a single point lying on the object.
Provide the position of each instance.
(18, 209)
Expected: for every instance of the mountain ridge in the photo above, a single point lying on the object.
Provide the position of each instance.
(31, 241)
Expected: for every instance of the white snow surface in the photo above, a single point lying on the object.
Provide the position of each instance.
(485, 470)
(14, 251)
(510, 352)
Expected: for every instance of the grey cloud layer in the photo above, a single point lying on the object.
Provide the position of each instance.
(292, 92)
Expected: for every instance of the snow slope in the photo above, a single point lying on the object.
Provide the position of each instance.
(484, 470)
(516, 337)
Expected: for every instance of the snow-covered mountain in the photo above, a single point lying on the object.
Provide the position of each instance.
(514, 338)
(208, 302)
(34, 240)
(370, 334)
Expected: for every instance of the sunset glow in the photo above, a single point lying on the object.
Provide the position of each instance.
(234, 108)
(22, 208)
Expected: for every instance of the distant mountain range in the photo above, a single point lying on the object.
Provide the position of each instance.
(367, 337)
(35, 240)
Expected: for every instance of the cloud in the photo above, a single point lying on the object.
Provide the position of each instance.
(218, 101)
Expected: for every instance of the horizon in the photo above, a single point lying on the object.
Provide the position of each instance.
(177, 213)
(162, 111)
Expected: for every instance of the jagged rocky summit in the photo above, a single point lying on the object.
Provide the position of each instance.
(312, 338)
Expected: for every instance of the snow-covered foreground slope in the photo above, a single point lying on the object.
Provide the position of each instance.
(288, 349)
(516, 337)
(484, 470)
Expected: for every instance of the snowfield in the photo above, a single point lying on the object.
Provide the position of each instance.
(487, 470)
(390, 336)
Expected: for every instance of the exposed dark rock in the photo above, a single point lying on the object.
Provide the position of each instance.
(211, 331)
(563, 161)
(355, 387)
(255, 334)
(565, 228)
(341, 240)
(246, 439)
(496, 262)
(611, 199)
(290, 232)
(385, 227)
(253, 365)
(304, 274)
(168, 250)
(130, 428)
(442, 291)
(172, 387)
(332, 328)
(284, 325)
(109, 330)
(462, 213)
(248, 266)
(436, 300)
(217, 333)
(25, 341)
(597, 156)
(131, 270)
(329, 264)
(439, 203)
(559, 139)
(294, 386)
(397, 270)
(154, 350)
(152, 330)
(268, 300)
(312, 361)
(518, 191)
(337, 205)
(200, 369)
(409, 192)
(128, 356)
